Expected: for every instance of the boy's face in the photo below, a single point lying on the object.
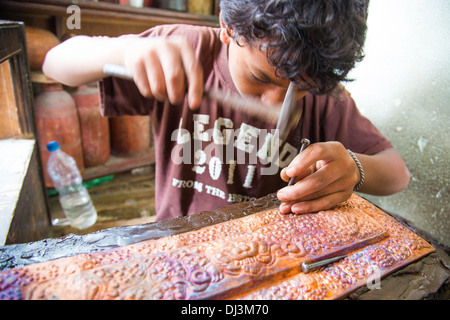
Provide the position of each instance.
(253, 75)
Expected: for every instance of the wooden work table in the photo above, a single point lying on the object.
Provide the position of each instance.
(427, 277)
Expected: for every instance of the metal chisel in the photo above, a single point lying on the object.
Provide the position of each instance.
(307, 267)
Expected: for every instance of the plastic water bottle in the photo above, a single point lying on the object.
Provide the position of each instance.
(73, 196)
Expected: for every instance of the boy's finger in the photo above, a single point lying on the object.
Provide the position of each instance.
(300, 176)
(194, 76)
(311, 184)
(323, 203)
(141, 80)
(155, 77)
(305, 160)
(174, 73)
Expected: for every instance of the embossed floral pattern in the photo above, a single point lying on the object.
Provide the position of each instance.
(235, 259)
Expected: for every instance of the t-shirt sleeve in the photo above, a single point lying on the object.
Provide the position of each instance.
(343, 122)
(121, 97)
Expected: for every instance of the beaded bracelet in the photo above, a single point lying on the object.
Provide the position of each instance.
(360, 168)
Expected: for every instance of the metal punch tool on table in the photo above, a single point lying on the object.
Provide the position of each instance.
(308, 267)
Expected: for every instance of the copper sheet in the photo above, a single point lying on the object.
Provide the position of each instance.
(254, 257)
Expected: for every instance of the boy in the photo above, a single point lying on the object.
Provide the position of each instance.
(209, 156)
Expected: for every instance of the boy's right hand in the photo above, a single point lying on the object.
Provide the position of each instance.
(164, 68)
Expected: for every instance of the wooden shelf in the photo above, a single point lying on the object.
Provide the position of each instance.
(97, 18)
(119, 164)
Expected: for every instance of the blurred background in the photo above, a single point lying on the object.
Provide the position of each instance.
(403, 87)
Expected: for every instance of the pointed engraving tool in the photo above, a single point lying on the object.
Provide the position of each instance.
(305, 142)
(307, 267)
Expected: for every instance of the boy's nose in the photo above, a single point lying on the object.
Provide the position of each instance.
(273, 96)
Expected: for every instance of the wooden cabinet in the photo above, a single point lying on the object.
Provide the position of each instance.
(24, 214)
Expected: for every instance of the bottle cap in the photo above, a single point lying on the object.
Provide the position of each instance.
(52, 146)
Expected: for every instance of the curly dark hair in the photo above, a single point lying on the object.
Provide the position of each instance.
(312, 42)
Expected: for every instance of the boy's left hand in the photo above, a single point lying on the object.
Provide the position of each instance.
(325, 176)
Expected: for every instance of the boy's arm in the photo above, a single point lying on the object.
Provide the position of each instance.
(162, 67)
(385, 173)
(80, 60)
(326, 175)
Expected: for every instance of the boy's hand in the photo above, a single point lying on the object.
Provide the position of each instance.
(325, 176)
(164, 68)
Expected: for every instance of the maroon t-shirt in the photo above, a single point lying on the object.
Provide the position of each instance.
(216, 156)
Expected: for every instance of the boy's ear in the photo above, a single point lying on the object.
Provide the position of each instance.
(224, 31)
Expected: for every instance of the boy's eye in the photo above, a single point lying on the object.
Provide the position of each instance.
(254, 78)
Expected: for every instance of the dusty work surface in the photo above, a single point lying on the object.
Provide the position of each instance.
(120, 200)
(252, 257)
